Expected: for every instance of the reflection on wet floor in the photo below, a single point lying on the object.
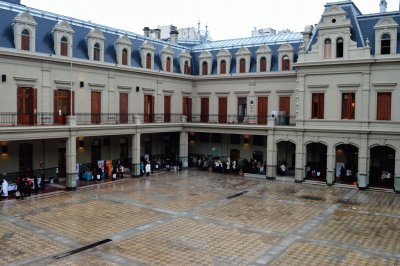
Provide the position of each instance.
(202, 218)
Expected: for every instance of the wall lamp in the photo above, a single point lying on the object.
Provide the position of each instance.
(137, 88)
(81, 144)
(4, 149)
(3, 78)
(81, 84)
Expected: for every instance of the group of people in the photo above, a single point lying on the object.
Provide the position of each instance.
(27, 186)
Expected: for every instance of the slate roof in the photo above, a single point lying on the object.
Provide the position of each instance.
(362, 28)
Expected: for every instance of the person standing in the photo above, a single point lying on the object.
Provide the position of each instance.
(148, 168)
(4, 188)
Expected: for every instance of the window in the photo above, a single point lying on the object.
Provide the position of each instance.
(317, 111)
(285, 63)
(148, 61)
(25, 40)
(124, 57)
(168, 64)
(328, 49)
(187, 68)
(263, 64)
(384, 106)
(204, 70)
(96, 52)
(167, 108)
(348, 105)
(148, 108)
(62, 105)
(242, 66)
(64, 46)
(187, 108)
(222, 69)
(339, 48)
(385, 44)
(242, 109)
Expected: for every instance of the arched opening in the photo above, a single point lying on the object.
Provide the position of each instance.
(263, 64)
(286, 158)
(168, 64)
(25, 40)
(222, 67)
(204, 69)
(385, 44)
(96, 52)
(346, 167)
(25, 156)
(124, 57)
(148, 61)
(64, 46)
(328, 49)
(242, 66)
(285, 63)
(316, 161)
(382, 166)
(339, 48)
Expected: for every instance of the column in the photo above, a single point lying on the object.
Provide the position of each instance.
(330, 166)
(362, 176)
(300, 100)
(184, 149)
(136, 155)
(397, 174)
(365, 102)
(71, 162)
(271, 157)
(299, 164)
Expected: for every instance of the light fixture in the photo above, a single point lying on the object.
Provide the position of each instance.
(137, 88)
(3, 78)
(81, 144)
(81, 84)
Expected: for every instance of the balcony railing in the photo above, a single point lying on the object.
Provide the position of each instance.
(54, 119)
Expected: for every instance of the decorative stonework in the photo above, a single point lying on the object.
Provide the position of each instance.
(185, 57)
(205, 56)
(122, 43)
(224, 54)
(386, 25)
(146, 48)
(24, 21)
(94, 37)
(264, 51)
(243, 54)
(60, 30)
(166, 53)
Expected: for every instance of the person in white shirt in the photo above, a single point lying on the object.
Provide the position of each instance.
(148, 169)
(4, 188)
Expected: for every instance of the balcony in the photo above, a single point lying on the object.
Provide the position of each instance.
(54, 119)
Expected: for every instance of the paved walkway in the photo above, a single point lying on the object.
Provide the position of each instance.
(202, 218)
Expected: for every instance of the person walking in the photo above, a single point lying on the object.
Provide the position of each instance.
(4, 188)
(148, 168)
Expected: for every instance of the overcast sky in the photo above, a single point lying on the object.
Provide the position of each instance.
(225, 19)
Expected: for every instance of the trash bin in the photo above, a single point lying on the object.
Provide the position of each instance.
(397, 184)
(362, 180)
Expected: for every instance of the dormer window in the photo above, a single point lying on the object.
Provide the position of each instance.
(96, 52)
(184, 62)
(148, 61)
(204, 68)
(222, 66)
(385, 44)
(25, 40)
(242, 65)
(285, 63)
(263, 64)
(328, 49)
(64, 46)
(339, 48)
(124, 57)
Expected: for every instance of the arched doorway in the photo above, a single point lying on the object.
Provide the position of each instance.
(346, 166)
(25, 156)
(316, 161)
(286, 158)
(382, 165)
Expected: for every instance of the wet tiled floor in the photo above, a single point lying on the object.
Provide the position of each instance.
(192, 218)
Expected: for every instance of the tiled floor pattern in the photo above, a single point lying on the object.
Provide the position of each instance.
(186, 218)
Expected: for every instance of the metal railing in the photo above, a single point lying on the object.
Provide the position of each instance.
(53, 119)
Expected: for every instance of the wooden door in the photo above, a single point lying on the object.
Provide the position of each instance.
(204, 110)
(167, 108)
(284, 106)
(96, 107)
(148, 108)
(26, 106)
(62, 106)
(123, 108)
(242, 109)
(222, 110)
(262, 113)
(187, 108)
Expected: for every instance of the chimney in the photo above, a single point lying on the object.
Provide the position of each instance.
(383, 6)
(146, 31)
(157, 32)
(174, 34)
